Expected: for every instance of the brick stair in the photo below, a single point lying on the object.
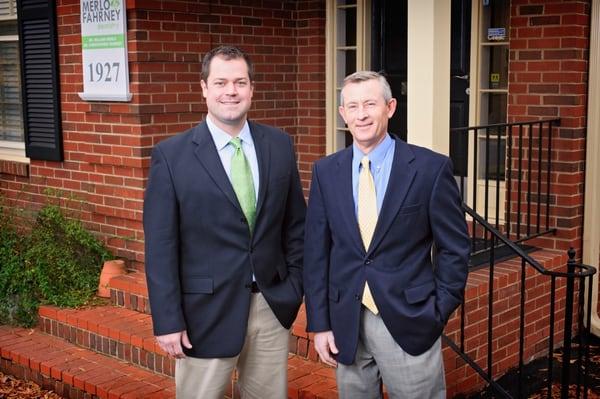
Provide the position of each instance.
(114, 342)
(118, 332)
(129, 291)
(72, 371)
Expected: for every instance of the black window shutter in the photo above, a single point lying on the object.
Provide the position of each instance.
(39, 79)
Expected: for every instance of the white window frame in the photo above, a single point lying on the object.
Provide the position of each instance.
(335, 132)
(478, 107)
(11, 150)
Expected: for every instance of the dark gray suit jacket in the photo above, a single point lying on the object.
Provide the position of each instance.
(200, 255)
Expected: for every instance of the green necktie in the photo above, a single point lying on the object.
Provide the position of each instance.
(243, 184)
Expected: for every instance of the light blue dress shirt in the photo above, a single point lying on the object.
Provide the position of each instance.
(226, 150)
(381, 159)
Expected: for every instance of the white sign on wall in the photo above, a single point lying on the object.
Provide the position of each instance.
(104, 51)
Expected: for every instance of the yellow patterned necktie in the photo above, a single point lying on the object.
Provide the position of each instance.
(367, 219)
(243, 183)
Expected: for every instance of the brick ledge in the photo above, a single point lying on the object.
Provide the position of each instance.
(14, 168)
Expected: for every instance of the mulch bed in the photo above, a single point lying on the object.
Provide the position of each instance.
(535, 382)
(13, 388)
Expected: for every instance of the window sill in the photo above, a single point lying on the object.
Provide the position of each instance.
(14, 162)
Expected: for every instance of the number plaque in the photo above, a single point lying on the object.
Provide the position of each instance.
(104, 51)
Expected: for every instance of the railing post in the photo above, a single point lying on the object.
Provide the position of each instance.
(564, 394)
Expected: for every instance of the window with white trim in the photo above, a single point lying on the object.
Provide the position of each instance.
(12, 141)
(348, 50)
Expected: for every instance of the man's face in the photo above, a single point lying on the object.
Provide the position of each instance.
(366, 113)
(228, 92)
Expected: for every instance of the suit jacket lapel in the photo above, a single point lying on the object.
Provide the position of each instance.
(206, 152)
(263, 156)
(401, 178)
(346, 196)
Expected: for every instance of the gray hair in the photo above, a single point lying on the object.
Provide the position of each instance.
(363, 76)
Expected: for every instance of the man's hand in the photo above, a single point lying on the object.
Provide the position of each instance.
(325, 347)
(171, 343)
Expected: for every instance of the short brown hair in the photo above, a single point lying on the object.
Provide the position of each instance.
(227, 53)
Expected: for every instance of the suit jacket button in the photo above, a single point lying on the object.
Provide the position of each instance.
(357, 297)
(368, 261)
(243, 220)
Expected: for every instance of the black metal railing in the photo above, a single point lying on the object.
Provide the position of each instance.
(574, 273)
(514, 159)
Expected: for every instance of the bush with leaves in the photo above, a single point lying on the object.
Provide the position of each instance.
(18, 301)
(57, 263)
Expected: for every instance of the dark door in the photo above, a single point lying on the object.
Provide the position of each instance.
(388, 54)
(460, 48)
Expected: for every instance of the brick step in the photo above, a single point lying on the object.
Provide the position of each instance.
(130, 291)
(127, 336)
(72, 371)
(118, 332)
(459, 377)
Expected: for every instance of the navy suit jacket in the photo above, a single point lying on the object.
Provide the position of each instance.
(414, 291)
(200, 255)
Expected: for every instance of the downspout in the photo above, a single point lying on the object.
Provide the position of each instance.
(591, 224)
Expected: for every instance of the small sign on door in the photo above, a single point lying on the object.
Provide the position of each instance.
(494, 80)
(496, 34)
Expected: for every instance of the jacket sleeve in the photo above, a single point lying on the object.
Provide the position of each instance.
(451, 242)
(316, 259)
(161, 232)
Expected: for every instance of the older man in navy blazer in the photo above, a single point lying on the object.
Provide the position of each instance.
(224, 225)
(386, 251)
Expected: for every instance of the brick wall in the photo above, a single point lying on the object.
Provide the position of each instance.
(107, 145)
(547, 79)
(310, 132)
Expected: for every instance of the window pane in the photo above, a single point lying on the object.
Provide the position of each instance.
(339, 120)
(493, 108)
(8, 27)
(346, 64)
(497, 108)
(8, 8)
(498, 67)
(346, 27)
(496, 15)
(11, 119)
(495, 165)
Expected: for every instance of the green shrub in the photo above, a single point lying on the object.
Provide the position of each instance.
(18, 302)
(57, 263)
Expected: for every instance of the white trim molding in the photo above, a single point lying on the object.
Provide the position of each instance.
(591, 221)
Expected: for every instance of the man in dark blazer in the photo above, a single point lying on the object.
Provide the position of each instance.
(224, 225)
(386, 250)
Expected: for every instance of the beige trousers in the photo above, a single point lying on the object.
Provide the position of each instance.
(261, 366)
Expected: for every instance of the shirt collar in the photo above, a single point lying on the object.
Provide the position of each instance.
(222, 138)
(376, 156)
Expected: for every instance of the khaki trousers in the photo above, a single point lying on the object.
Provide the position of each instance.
(261, 366)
